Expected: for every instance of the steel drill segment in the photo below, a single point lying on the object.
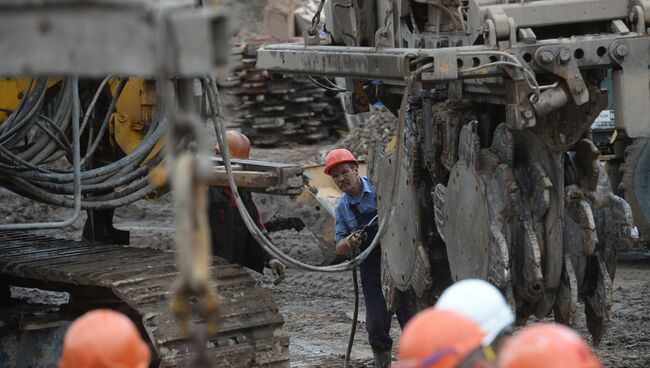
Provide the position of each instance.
(250, 325)
(275, 109)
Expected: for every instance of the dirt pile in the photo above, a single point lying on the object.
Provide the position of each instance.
(377, 129)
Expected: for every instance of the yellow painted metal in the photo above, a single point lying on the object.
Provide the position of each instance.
(13, 90)
(391, 145)
(134, 111)
(326, 188)
(138, 101)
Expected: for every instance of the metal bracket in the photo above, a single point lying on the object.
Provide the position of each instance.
(444, 67)
(258, 176)
(631, 85)
(519, 112)
(559, 60)
(644, 7)
(384, 36)
(310, 40)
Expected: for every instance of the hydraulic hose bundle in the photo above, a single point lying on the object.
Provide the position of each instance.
(37, 134)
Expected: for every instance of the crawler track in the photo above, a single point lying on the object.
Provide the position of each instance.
(250, 329)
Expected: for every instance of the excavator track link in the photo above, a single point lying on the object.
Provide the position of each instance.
(250, 326)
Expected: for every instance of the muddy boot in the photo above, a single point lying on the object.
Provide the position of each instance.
(382, 359)
(99, 229)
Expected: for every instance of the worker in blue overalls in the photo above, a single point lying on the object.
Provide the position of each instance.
(356, 210)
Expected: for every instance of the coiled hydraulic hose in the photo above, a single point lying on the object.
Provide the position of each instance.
(40, 139)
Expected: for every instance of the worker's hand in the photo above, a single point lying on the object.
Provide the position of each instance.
(355, 239)
(279, 270)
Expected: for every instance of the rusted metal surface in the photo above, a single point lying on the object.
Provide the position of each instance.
(250, 327)
(259, 176)
(499, 136)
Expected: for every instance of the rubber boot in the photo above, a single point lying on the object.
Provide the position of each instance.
(99, 229)
(382, 359)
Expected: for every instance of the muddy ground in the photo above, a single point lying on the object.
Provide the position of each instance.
(318, 307)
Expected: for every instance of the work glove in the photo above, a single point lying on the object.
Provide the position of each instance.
(279, 270)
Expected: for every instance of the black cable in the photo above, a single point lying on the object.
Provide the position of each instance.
(355, 315)
(143, 149)
(24, 188)
(34, 103)
(91, 150)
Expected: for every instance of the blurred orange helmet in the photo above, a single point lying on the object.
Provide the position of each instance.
(437, 338)
(238, 145)
(549, 346)
(336, 157)
(103, 338)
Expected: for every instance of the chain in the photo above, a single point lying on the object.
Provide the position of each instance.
(313, 29)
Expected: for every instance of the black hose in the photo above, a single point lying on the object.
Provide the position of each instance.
(143, 149)
(355, 315)
(90, 151)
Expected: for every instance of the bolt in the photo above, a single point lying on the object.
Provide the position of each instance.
(621, 50)
(564, 55)
(533, 98)
(546, 56)
(528, 114)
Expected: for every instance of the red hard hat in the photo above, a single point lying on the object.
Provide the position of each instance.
(103, 338)
(549, 346)
(437, 338)
(336, 157)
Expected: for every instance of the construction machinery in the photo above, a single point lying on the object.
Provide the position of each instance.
(627, 163)
(494, 174)
(105, 103)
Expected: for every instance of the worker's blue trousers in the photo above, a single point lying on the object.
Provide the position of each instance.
(378, 318)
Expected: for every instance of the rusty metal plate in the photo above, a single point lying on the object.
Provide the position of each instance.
(467, 248)
(400, 243)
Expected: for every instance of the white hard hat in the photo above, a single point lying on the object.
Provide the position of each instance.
(480, 301)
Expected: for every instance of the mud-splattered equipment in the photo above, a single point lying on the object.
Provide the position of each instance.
(250, 327)
(498, 176)
(546, 345)
(104, 338)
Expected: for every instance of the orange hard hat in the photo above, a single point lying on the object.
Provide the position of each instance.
(238, 145)
(104, 338)
(336, 157)
(437, 338)
(549, 346)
